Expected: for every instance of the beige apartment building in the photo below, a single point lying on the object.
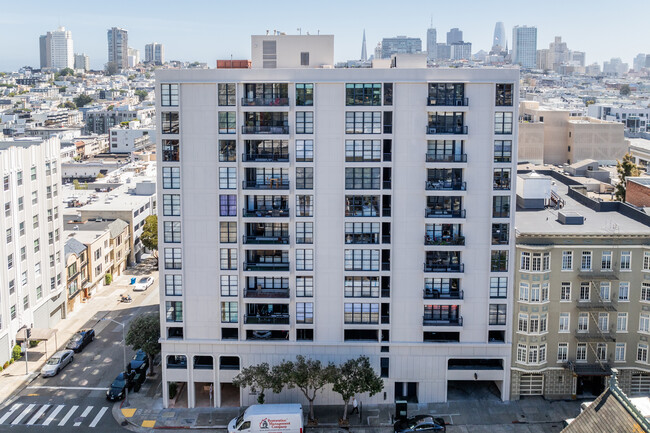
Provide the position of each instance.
(582, 292)
(553, 136)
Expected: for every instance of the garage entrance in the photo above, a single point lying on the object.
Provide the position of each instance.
(531, 384)
(202, 394)
(590, 386)
(640, 384)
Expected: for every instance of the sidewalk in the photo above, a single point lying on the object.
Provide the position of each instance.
(100, 305)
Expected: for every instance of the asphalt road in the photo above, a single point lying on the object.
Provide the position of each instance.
(76, 397)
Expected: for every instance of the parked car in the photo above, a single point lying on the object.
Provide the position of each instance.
(57, 362)
(140, 362)
(81, 340)
(420, 423)
(118, 388)
(143, 284)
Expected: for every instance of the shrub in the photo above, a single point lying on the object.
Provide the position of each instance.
(173, 388)
(6, 365)
(108, 279)
(11, 361)
(33, 343)
(17, 352)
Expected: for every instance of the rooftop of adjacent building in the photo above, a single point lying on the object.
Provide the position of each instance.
(20, 142)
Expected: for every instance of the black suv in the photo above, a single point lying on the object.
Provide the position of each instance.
(81, 339)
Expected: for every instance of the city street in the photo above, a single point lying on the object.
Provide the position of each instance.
(76, 397)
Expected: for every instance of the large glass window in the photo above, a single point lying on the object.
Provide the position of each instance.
(498, 287)
(228, 205)
(304, 232)
(501, 180)
(174, 311)
(227, 94)
(361, 313)
(304, 205)
(171, 151)
(363, 94)
(304, 260)
(361, 206)
(503, 95)
(227, 178)
(173, 258)
(228, 285)
(363, 150)
(304, 312)
(171, 177)
(228, 232)
(304, 150)
(304, 122)
(228, 259)
(304, 178)
(227, 122)
(362, 178)
(361, 260)
(173, 285)
(363, 122)
(227, 151)
(501, 206)
(361, 287)
(170, 123)
(172, 231)
(304, 286)
(171, 205)
(304, 94)
(169, 95)
(502, 123)
(447, 94)
(498, 314)
(502, 150)
(229, 312)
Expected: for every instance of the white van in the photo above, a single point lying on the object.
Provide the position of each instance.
(269, 418)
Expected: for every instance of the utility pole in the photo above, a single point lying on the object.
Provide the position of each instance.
(28, 333)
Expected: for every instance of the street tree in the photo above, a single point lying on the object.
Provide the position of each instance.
(141, 94)
(356, 376)
(624, 90)
(111, 68)
(259, 378)
(149, 236)
(625, 168)
(82, 100)
(309, 376)
(144, 334)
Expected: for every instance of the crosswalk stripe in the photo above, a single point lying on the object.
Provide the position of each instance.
(40, 412)
(24, 413)
(99, 416)
(13, 409)
(53, 415)
(83, 416)
(68, 415)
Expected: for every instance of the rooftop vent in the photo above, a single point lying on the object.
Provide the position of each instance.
(570, 218)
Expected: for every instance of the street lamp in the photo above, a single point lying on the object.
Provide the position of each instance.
(126, 388)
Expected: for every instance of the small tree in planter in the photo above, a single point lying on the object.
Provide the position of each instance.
(144, 334)
(355, 376)
(260, 378)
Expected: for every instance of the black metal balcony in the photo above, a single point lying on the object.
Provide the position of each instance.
(446, 157)
(265, 157)
(270, 183)
(362, 238)
(596, 304)
(444, 240)
(447, 102)
(264, 129)
(595, 335)
(281, 319)
(265, 212)
(452, 321)
(445, 185)
(444, 213)
(265, 102)
(442, 267)
(431, 129)
(437, 294)
(265, 239)
(266, 293)
(266, 266)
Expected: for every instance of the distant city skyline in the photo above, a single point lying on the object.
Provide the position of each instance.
(198, 32)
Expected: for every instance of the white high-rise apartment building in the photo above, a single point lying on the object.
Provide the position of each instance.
(81, 61)
(524, 46)
(57, 49)
(432, 46)
(32, 275)
(154, 53)
(118, 47)
(333, 213)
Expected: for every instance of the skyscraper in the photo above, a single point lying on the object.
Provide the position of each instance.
(499, 41)
(118, 47)
(154, 53)
(454, 35)
(81, 62)
(399, 45)
(364, 54)
(432, 49)
(524, 46)
(56, 49)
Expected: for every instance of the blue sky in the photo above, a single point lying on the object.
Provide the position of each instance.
(211, 29)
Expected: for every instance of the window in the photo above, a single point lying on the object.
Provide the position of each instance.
(21, 204)
(522, 353)
(605, 290)
(173, 285)
(363, 94)
(172, 231)
(13, 312)
(619, 352)
(26, 302)
(227, 177)
(644, 322)
(37, 245)
(497, 314)
(304, 205)
(361, 287)
(228, 205)
(228, 231)
(227, 151)
(304, 94)
(360, 313)
(499, 261)
(562, 352)
(304, 178)
(646, 261)
(304, 312)
(362, 178)
(304, 150)
(583, 322)
(304, 122)
(171, 177)
(37, 270)
(645, 292)
(39, 292)
(500, 207)
(304, 287)
(361, 260)
(228, 259)
(169, 95)
(567, 260)
(603, 322)
(170, 123)
(19, 178)
(362, 150)
(226, 94)
(621, 322)
(641, 352)
(8, 209)
(502, 123)
(606, 261)
(171, 205)
(585, 291)
(6, 183)
(35, 196)
(388, 96)
(10, 261)
(304, 260)
(363, 122)
(502, 151)
(524, 290)
(501, 179)
(503, 95)
(522, 323)
(227, 122)
(585, 262)
(498, 287)
(304, 59)
(174, 311)
(524, 261)
(173, 258)
(624, 291)
(35, 221)
(581, 352)
(565, 291)
(626, 260)
(9, 236)
(171, 151)
(33, 173)
(500, 234)
(564, 322)
(229, 312)
(304, 233)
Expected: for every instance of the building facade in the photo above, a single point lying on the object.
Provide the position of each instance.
(333, 213)
(432, 46)
(524, 46)
(400, 45)
(118, 47)
(154, 53)
(56, 49)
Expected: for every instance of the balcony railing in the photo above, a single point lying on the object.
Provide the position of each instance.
(264, 212)
(445, 185)
(595, 335)
(446, 129)
(265, 102)
(264, 239)
(265, 157)
(362, 238)
(269, 183)
(596, 304)
(440, 267)
(266, 293)
(437, 294)
(455, 321)
(281, 319)
(444, 213)
(446, 157)
(261, 266)
(444, 240)
(447, 102)
(264, 129)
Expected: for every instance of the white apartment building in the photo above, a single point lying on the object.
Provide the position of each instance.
(154, 53)
(57, 49)
(333, 213)
(524, 46)
(32, 279)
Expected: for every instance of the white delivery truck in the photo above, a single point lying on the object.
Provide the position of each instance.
(269, 418)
